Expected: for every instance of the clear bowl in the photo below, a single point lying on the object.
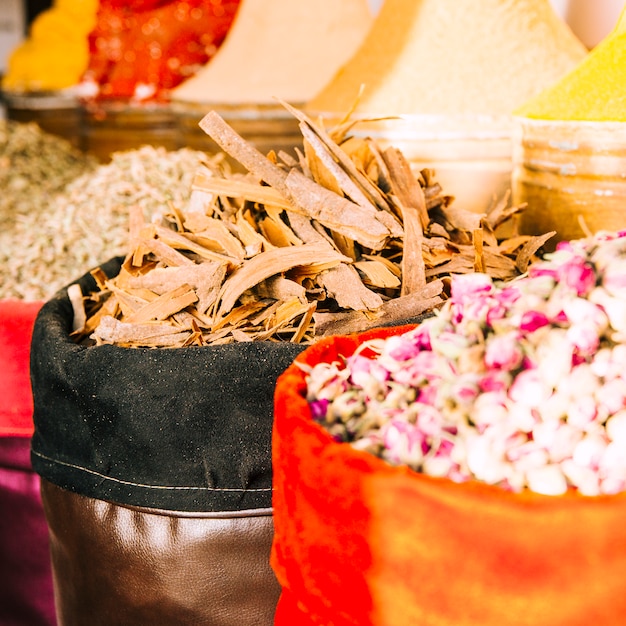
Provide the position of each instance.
(572, 175)
(55, 112)
(119, 125)
(266, 126)
(470, 154)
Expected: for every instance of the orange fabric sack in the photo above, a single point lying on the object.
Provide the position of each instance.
(358, 541)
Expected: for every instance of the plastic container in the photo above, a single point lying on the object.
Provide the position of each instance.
(471, 155)
(57, 113)
(265, 126)
(119, 125)
(572, 175)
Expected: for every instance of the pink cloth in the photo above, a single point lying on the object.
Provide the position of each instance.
(26, 591)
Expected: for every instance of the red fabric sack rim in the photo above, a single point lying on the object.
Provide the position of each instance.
(477, 487)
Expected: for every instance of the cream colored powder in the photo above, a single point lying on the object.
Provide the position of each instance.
(454, 57)
(280, 48)
(594, 91)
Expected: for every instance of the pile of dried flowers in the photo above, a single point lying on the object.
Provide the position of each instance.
(520, 385)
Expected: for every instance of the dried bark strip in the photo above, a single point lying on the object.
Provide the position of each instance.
(245, 153)
(343, 284)
(181, 242)
(335, 212)
(530, 248)
(412, 205)
(165, 305)
(165, 253)
(268, 264)
(367, 186)
(237, 188)
(111, 330)
(394, 311)
(315, 147)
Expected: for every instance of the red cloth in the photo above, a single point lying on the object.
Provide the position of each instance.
(17, 319)
(26, 593)
(359, 542)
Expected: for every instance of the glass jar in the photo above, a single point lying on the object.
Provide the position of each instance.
(470, 154)
(117, 126)
(266, 126)
(572, 175)
(55, 112)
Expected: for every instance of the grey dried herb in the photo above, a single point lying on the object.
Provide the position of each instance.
(63, 214)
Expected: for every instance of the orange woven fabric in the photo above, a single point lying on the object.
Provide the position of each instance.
(358, 541)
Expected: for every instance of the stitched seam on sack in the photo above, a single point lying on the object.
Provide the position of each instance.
(127, 482)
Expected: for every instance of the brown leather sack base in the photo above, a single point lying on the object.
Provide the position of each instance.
(129, 566)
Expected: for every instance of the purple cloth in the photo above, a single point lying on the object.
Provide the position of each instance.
(26, 592)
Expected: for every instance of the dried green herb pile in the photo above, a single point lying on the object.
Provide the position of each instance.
(61, 214)
(33, 166)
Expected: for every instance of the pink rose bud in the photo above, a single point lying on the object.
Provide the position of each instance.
(616, 429)
(548, 480)
(528, 388)
(504, 352)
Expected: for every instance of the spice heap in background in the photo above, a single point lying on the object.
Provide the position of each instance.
(279, 49)
(55, 54)
(103, 86)
(141, 50)
(594, 91)
(34, 166)
(452, 57)
(453, 72)
(275, 49)
(571, 140)
(62, 213)
(138, 54)
(112, 49)
(43, 70)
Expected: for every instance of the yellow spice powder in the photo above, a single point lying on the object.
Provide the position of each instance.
(454, 57)
(593, 91)
(56, 52)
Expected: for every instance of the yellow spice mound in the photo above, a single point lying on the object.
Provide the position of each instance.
(454, 57)
(279, 48)
(56, 52)
(594, 91)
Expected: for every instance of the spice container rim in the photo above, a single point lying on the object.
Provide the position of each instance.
(121, 105)
(588, 139)
(427, 125)
(40, 100)
(565, 124)
(242, 110)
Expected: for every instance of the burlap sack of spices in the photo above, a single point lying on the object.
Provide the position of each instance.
(156, 476)
(358, 541)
